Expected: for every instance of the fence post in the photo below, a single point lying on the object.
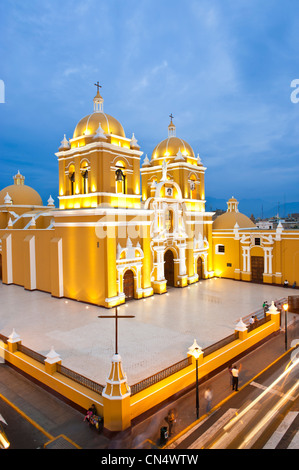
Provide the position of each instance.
(116, 398)
(241, 329)
(275, 315)
(51, 361)
(13, 341)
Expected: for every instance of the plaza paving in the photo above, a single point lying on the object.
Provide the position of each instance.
(163, 327)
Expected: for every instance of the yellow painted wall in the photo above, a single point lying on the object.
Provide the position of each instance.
(152, 396)
(71, 390)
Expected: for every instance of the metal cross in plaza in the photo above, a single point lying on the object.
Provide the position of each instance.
(116, 317)
(98, 85)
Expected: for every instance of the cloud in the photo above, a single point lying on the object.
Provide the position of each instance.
(148, 77)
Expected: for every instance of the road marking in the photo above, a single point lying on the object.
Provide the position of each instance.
(281, 430)
(273, 391)
(294, 444)
(184, 436)
(2, 419)
(48, 435)
(200, 442)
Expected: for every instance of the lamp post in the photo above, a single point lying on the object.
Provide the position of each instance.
(285, 307)
(196, 351)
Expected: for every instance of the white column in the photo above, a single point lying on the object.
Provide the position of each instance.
(270, 260)
(244, 258)
(8, 242)
(182, 254)
(266, 261)
(60, 269)
(248, 260)
(32, 263)
(160, 263)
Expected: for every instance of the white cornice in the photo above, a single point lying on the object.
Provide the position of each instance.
(74, 139)
(88, 148)
(120, 195)
(200, 169)
(101, 211)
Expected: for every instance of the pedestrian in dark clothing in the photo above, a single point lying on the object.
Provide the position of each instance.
(235, 374)
(230, 373)
(171, 419)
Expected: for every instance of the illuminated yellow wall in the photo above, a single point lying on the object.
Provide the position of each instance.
(101, 163)
(284, 261)
(182, 175)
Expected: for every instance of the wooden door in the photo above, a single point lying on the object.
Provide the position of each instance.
(128, 283)
(169, 268)
(199, 267)
(257, 268)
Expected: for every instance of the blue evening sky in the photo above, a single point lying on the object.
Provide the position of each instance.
(223, 68)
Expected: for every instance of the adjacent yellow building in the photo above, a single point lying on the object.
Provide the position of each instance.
(125, 231)
(244, 252)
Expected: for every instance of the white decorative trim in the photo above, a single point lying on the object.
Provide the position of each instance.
(88, 148)
(101, 224)
(32, 263)
(9, 274)
(60, 269)
(75, 196)
(100, 211)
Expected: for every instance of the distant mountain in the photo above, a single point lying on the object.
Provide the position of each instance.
(257, 207)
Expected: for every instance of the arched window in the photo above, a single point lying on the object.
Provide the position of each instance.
(72, 179)
(84, 174)
(192, 187)
(169, 220)
(120, 178)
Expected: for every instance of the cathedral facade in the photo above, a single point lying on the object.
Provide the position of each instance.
(125, 230)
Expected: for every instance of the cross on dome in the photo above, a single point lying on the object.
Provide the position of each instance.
(98, 101)
(171, 127)
(98, 85)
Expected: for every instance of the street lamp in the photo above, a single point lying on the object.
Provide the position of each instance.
(196, 351)
(285, 307)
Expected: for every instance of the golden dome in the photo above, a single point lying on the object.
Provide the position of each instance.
(228, 220)
(231, 217)
(90, 123)
(170, 147)
(21, 195)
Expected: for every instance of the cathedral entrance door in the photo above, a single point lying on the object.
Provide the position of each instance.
(128, 283)
(169, 268)
(199, 267)
(257, 268)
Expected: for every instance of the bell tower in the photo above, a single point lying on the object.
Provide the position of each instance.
(99, 165)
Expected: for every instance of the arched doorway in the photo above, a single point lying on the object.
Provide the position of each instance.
(199, 267)
(257, 268)
(169, 268)
(128, 284)
(0, 267)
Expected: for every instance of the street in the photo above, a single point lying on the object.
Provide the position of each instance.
(258, 416)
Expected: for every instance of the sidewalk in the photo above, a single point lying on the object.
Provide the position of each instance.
(57, 418)
(146, 434)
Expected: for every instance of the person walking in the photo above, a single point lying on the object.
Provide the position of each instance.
(171, 419)
(235, 376)
(208, 397)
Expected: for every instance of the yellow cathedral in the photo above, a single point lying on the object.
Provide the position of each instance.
(125, 230)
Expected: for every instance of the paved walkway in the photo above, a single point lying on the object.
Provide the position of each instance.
(159, 335)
